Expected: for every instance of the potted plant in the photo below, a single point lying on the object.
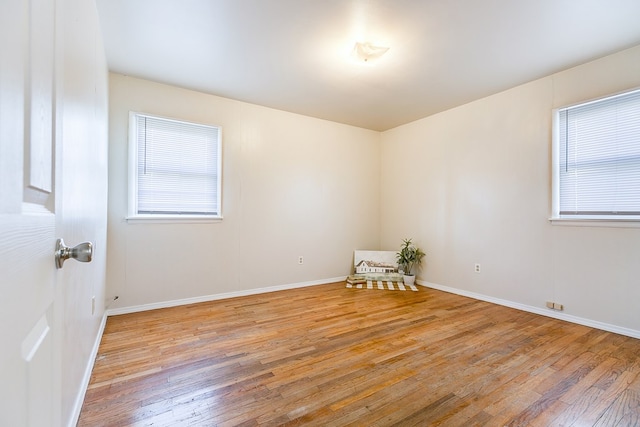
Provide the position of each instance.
(409, 258)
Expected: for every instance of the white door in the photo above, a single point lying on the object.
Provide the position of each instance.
(48, 70)
(28, 388)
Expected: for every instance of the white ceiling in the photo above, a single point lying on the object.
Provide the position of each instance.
(295, 55)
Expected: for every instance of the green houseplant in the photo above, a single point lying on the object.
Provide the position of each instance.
(409, 258)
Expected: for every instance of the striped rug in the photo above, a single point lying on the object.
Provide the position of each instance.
(383, 285)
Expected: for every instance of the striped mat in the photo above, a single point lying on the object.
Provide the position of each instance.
(383, 285)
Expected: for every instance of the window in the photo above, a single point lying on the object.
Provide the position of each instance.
(174, 169)
(597, 159)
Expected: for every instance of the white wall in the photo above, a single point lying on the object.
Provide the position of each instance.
(82, 107)
(292, 185)
(469, 185)
(475, 183)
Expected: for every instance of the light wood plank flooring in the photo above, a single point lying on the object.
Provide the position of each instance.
(331, 356)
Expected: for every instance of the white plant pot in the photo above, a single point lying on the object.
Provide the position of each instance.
(409, 280)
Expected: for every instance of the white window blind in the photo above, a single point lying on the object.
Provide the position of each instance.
(599, 158)
(177, 168)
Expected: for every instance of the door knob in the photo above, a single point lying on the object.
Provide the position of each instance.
(82, 252)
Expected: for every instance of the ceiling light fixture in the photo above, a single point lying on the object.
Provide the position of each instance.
(367, 52)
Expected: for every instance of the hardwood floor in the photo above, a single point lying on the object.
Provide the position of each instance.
(331, 356)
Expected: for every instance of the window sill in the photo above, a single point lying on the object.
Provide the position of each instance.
(172, 219)
(597, 222)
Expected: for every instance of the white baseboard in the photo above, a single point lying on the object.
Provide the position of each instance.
(536, 310)
(77, 405)
(205, 298)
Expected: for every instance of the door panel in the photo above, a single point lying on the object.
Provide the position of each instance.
(37, 353)
(27, 219)
(38, 164)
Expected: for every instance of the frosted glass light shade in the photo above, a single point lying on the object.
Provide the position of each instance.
(367, 52)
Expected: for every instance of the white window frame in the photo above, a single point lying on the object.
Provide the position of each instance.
(557, 218)
(133, 215)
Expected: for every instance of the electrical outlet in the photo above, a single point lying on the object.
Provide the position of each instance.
(93, 305)
(477, 268)
(300, 260)
(555, 306)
